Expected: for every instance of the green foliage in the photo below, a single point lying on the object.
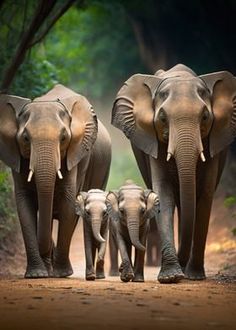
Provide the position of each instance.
(230, 201)
(94, 49)
(123, 167)
(36, 75)
(7, 207)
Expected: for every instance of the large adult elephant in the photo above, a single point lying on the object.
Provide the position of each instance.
(180, 126)
(54, 146)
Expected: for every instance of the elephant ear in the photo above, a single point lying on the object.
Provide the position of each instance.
(222, 85)
(80, 203)
(83, 126)
(133, 112)
(153, 204)
(10, 107)
(112, 205)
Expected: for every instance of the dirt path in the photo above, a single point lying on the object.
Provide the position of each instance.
(110, 304)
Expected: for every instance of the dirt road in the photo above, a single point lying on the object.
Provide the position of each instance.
(110, 304)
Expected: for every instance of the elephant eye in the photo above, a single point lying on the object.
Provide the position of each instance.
(63, 136)
(142, 210)
(26, 137)
(163, 94)
(205, 115)
(162, 116)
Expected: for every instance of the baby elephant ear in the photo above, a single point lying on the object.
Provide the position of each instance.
(222, 85)
(80, 203)
(133, 112)
(112, 205)
(153, 204)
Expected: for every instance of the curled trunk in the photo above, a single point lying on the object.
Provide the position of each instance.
(133, 228)
(96, 227)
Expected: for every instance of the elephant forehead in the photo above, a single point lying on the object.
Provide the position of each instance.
(183, 86)
(44, 107)
(131, 194)
(96, 198)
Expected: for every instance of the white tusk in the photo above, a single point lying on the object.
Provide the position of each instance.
(59, 175)
(169, 155)
(202, 156)
(30, 175)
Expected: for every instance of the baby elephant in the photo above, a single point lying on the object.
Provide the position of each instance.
(129, 210)
(92, 208)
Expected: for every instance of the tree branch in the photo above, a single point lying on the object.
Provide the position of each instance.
(41, 13)
(54, 19)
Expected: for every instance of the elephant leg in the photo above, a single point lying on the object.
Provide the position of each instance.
(153, 246)
(195, 266)
(114, 269)
(149, 254)
(139, 257)
(27, 212)
(64, 203)
(90, 251)
(127, 270)
(171, 271)
(61, 263)
(101, 254)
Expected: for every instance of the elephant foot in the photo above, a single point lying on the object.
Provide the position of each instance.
(90, 277)
(138, 278)
(127, 273)
(62, 269)
(48, 265)
(194, 273)
(36, 272)
(100, 269)
(170, 274)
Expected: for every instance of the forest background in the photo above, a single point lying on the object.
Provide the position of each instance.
(93, 46)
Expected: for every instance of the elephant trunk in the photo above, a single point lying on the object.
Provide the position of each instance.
(133, 229)
(44, 160)
(96, 227)
(187, 147)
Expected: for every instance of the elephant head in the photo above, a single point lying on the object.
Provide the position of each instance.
(92, 208)
(183, 112)
(59, 126)
(132, 206)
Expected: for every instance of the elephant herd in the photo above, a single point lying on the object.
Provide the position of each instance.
(179, 126)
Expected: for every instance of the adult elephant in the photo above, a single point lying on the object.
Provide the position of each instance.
(54, 146)
(180, 126)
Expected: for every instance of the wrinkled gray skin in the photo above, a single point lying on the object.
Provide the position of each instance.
(180, 126)
(92, 208)
(130, 210)
(57, 133)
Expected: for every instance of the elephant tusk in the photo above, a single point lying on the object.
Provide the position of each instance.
(202, 157)
(169, 155)
(30, 175)
(59, 175)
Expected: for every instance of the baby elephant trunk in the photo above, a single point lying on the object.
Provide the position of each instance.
(96, 227)
(133, 228)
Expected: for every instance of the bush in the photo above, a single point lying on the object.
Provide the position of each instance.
(7, 204)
